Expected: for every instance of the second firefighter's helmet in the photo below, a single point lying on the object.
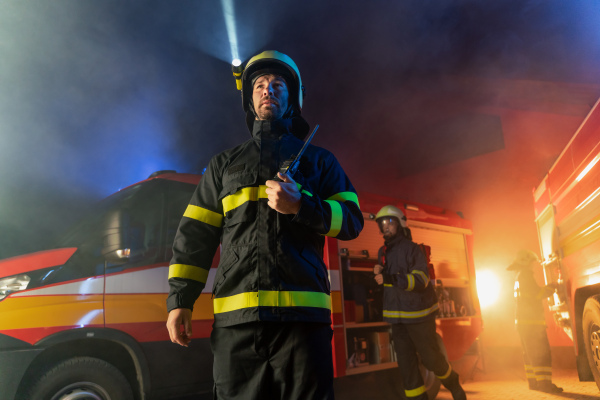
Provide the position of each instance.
(273, 62)
(523, 260)
(390, 211)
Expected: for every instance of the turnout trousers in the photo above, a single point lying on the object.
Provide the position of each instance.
(273, 360)
(536, 353)
(419, 341)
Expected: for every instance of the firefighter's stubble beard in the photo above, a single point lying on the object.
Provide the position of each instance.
(391, 231)
(387, 235)
(268, 113)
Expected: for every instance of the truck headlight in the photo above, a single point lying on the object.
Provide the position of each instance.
(13, 284)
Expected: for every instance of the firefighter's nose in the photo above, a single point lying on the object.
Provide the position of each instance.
(269, 89)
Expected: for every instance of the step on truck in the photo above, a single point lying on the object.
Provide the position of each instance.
(567, 214)
(87, 318)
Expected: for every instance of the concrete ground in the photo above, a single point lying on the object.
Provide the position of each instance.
(497, 376)
(498, 385)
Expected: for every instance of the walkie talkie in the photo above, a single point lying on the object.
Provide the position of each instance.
(290, 166)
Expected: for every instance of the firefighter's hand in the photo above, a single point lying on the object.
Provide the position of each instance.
(378, 269)
(379, 279)
(179, 325)
(284, 197)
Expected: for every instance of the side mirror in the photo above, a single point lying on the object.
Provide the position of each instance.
(116, 233)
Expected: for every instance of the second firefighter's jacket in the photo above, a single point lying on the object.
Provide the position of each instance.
(408, 296)
(271, 266)
(529, 296)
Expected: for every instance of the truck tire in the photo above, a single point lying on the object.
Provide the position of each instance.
(81, 378)
(591, 335)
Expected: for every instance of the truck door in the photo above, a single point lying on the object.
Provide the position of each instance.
(138, 252)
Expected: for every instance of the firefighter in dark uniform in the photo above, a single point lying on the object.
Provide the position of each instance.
(410, 306)
(271, 336)
(531, 322)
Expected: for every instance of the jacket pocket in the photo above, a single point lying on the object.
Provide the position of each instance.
(244, 213)
(312, 258)
(228, 260)
(232, 183)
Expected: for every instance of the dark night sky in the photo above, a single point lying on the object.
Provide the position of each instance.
(97, 95)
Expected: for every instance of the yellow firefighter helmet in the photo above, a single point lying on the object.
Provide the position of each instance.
(274, 62)
(392, 212)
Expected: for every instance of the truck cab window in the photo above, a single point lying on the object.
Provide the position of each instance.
(179, 198)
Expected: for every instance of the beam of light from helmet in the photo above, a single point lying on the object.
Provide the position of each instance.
(488, 288)
(229, 15)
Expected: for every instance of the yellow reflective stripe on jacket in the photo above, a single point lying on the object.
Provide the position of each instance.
(337, 218)
(242, 196)
(337, 215)
(447, 374)
(345, 196)
(255, 193)
(188, 272)
(265, 298)
(247, 194)
(423, 275)
(415, 392)
(411, 282)
(203, 215)
(410, 314)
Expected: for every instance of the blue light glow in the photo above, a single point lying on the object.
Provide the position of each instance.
(229, 15)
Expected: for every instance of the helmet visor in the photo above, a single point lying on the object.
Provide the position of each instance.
(384, 222)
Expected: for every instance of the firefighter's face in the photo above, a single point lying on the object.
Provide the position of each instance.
(389, 227)
(270, 97)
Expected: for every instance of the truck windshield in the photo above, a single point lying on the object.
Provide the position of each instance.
(78, 233)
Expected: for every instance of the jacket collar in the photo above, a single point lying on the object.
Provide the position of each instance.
(271, 129)
(395, 240)
(296, 125)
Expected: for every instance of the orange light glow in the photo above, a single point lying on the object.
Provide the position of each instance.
(588, 168)
(488, 288)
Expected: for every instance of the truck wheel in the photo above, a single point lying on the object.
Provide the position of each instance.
(81, 378)
(591, 335)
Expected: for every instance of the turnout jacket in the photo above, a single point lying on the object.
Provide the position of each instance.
(528, 296)
(271, 266)
(408, 296)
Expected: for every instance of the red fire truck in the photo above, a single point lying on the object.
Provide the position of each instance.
(88, 317)
(567, 211)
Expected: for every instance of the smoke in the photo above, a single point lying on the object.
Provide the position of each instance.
(94, 98)
(97, 95)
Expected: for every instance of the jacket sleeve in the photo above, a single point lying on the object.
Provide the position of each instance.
(334, 210)
(529, 288)
(417, 279)
(196, 242)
